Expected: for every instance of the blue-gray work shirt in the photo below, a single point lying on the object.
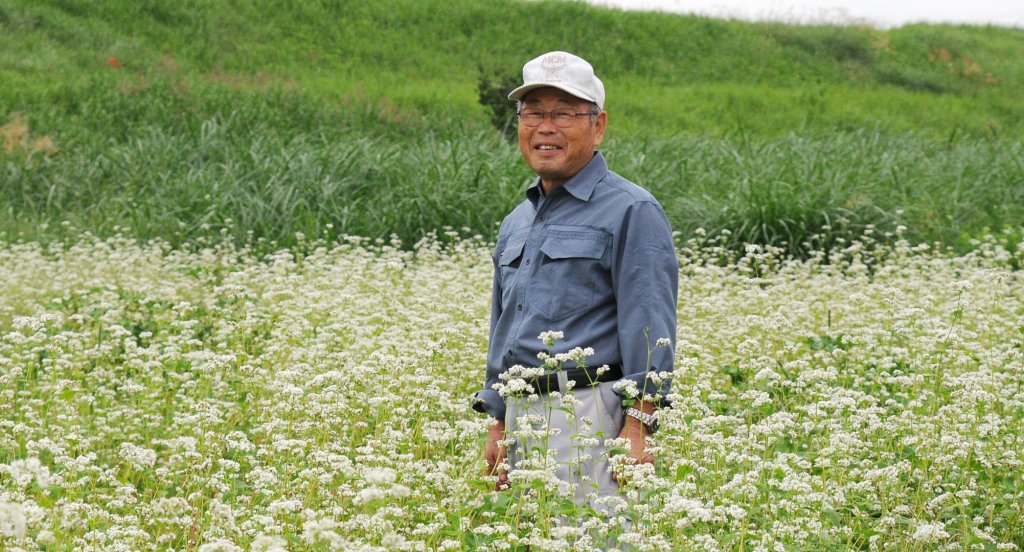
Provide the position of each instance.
(595, 260)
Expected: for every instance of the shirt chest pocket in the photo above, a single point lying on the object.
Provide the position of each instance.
(571, 277)
(509, 260)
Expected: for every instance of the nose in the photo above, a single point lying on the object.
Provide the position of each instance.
(548, 123)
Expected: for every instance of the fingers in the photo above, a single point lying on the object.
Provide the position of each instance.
(494, 453)
(644, 458)
(637, 455)
(495, 456)
(494, 466)
(502, 483)
(494, 469)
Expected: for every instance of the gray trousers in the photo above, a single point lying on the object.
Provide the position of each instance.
(549, 431)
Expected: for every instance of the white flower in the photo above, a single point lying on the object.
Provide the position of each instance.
(262, 477)
(576, 354)
(25, 471)
(930, 532)
(264, 543)
(626, 388)
(549, 338)
(368, 494)
(285, 506)
(380, 476)
(322, 530)
(220, 545)
(963, 285)
(12, 520)
(46, 537)
(166, 508)
(393, 540)
(400, 491)
(138, 457)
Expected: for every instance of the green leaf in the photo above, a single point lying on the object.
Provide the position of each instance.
(835, 517)
(827, 343)
(909, 452)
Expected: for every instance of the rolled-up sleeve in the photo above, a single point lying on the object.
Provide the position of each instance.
(645, 275)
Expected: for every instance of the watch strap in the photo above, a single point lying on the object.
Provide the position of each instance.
(649, 420)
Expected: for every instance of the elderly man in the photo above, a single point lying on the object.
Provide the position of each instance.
(590, 255)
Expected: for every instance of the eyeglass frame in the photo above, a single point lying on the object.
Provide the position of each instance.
(593, 112)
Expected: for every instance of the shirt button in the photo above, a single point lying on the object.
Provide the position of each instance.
(510, 352)
(527, 262)
(541, 218)
(519, 307)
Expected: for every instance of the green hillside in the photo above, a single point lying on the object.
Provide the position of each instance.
(665, 73)
(172, 119)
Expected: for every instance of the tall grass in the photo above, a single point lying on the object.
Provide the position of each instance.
(802, 192)
(181, 165)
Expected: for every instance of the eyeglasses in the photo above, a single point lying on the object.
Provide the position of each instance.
(561, 118)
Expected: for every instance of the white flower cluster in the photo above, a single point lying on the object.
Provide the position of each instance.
(516, 381)
(137, 457)
(627, 388)
(578, 355)
(27, 471)
(382, 486)
(12, 520)
(549, 338)
(930, 533)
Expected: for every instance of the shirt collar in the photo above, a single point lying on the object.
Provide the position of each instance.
(581, 185)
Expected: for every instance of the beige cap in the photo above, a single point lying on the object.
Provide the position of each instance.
(564, 71)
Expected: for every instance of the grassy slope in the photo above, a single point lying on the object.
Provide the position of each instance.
(665, 73)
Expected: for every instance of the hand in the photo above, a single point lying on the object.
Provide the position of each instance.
(636, 434)
(495, 454)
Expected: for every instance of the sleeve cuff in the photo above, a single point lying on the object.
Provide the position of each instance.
(488, 401)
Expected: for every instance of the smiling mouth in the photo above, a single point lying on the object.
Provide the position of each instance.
(546, 147)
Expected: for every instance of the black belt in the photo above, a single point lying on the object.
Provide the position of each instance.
(583, 377)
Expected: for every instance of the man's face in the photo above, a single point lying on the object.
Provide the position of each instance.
(556, 154)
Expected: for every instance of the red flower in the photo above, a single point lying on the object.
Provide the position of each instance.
(113, 62)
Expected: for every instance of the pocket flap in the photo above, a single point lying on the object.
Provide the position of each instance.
(511, 252)
(563, 247)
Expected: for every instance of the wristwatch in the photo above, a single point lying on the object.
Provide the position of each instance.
(649, 420)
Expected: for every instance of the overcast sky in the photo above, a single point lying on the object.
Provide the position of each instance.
(880, 13)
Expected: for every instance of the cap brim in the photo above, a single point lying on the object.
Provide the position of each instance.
(518, 93)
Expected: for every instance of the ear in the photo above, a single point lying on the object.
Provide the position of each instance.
(600, 123)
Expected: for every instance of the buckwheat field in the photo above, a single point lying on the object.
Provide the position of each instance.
(211, 398)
